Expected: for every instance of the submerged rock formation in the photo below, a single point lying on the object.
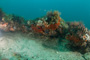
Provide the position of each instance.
(51, 26)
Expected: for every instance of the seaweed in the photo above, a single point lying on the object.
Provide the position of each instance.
(18, 19)
(2, 14)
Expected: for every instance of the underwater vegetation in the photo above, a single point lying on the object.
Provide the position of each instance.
(1, 14)
(52, 26)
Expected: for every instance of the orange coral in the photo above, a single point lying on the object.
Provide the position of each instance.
(12, 29)
(37, 29)
(41, 30)
(53, 26)
(74, 39)
(84, 37)
(3, 26)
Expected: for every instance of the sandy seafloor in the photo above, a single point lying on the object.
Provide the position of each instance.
(18, 46)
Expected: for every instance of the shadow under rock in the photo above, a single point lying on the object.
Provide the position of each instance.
(57, 44)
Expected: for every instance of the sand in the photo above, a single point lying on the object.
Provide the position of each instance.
(16, 46)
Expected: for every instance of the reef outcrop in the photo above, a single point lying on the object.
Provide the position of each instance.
(52, 26)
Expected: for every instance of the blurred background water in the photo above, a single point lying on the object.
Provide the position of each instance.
(71, 10)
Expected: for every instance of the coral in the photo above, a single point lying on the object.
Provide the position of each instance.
(12, 29)
(3, 26)
(56, 14)
(76, 34)
(63, 24)
(74, 39)
(8, 18)
(53, 20)
(39, 23)
(52, 23)
(37, 29)
(52, 17)
(29, 22)
(53, 26)
(18, 19)
(49, 16)
(86, 37)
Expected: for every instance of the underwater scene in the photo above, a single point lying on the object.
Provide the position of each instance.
(44, 29)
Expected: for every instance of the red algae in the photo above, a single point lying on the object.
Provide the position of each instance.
(74, 39)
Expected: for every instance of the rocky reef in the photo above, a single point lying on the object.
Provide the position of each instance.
(51, 26)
